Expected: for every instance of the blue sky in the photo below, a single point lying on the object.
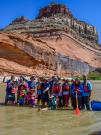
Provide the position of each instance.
(85, 10)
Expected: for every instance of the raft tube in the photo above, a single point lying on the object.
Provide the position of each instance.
(96, 105)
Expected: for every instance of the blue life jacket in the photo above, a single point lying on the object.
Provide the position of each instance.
(9, 87)
(74, 88)
(32, 84)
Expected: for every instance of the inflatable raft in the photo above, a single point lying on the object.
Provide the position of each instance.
(96, 105)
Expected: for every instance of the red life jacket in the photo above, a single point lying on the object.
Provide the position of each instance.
(66, 87)
(56, 88)
(86, 88)
(13, 91)
(22, 93)
(77, 88)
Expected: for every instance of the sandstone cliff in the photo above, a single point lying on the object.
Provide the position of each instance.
(63, 55)
(57, 44)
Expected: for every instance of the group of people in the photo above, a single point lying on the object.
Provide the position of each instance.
(52, 92)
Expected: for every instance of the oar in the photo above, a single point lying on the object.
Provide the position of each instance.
(77, 110)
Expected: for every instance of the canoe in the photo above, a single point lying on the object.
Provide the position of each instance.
(96, 105)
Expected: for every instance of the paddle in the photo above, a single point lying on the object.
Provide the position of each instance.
(77, 110)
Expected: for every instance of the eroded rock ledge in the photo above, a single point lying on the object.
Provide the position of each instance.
(45, 56)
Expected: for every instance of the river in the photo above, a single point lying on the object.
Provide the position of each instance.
(30, 121)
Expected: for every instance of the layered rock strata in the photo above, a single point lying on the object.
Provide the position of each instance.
(55, 43)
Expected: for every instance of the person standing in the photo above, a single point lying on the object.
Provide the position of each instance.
(39, 91)
(22, 81)
(87, 89)
(32, 84)
(45, 93)
(22, 95)
(10, 90)
(76, 88)
(66, 92)
(57, 92)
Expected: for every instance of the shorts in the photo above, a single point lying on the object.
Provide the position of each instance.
(39, 92)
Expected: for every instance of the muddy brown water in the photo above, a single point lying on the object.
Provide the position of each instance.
(28, 121)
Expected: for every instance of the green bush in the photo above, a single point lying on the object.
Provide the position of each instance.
(94, 76)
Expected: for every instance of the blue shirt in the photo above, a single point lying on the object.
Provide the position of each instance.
(32, 84)
(46, 86)
(72, 91)
(9, 87)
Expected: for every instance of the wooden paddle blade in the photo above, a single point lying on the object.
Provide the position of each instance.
(77, 111)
